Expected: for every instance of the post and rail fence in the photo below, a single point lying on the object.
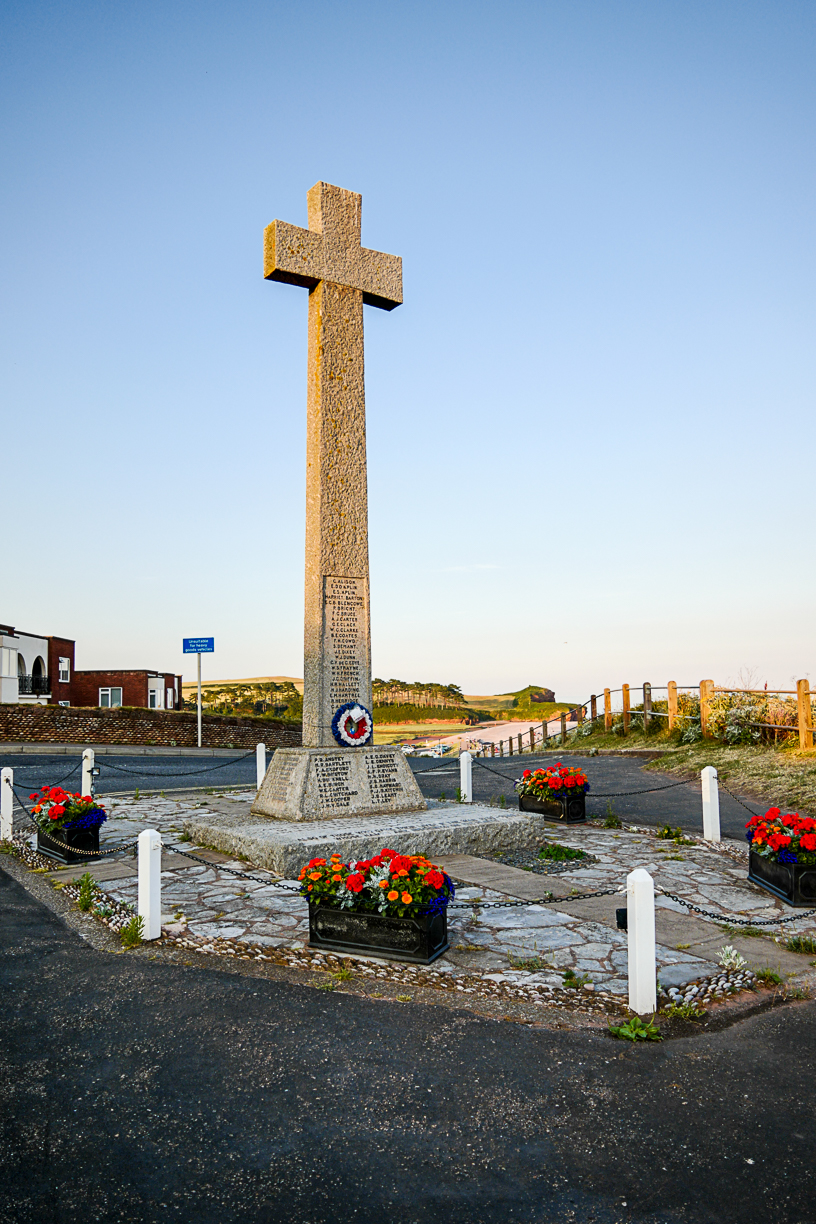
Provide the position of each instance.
(539, 738)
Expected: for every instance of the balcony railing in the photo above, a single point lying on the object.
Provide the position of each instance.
(33, 686)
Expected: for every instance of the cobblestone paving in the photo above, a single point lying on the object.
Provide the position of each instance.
(206, 902)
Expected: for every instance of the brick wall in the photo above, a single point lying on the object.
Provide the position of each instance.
(37, 724)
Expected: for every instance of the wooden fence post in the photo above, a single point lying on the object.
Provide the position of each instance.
(672, 704)
(532, 739)
(510, 745)
(625, 695)
(563, 727)
(593, 709)
(805, 715)
(706, 693)
(647, 705)
(607, 710)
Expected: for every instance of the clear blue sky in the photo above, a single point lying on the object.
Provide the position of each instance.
(590, 425)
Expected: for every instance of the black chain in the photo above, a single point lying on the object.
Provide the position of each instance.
(243, 875)
(722, 786)
(731, 921)
(42, 767)
(430, 768)
(186, 773)
(604, 892)
(650, 790)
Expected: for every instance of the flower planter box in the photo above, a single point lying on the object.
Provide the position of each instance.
(571, 809)
(64, 851)
(420, 939)
(793, 882)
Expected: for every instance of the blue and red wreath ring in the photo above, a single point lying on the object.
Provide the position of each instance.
(352, 725)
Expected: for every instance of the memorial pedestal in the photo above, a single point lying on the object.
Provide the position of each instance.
(310, 784)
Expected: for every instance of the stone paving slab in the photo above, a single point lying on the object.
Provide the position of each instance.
(570, 934)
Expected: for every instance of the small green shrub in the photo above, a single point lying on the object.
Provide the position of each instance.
(132, 932)
(573, 980)
(636, 1030)
(769, 976)
(552, 850)
(801, 943)
(685, 1011)
(612, 820)
(87, 888)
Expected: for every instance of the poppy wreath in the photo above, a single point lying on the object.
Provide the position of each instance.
(555, 782)
(389, 883)
(55, 809)
(783, 839)
(352, 725)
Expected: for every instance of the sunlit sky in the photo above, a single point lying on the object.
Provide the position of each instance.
(590, 425)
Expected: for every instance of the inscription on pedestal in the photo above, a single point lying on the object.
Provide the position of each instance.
(382, 779)
(345, 640)
(281, 777)
(333, 776)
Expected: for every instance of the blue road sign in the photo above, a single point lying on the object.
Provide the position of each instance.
(198, 645)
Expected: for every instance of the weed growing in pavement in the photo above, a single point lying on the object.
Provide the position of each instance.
(183, 837)
(667, 833)
(769, 976)
(132, 932)
(730, 958)
(636, 1030)
(752, 932)
(441, 794)
(343, 975)
(801, 943)
(573, 980)
(502, 801)
(329, 985)
(612, 820)
(460, 795)
(404, 998)
(682, 947)
(685, 1011)
(552, 850)
(797, 992)
(87, 888)
(136, 795)
(533, 963)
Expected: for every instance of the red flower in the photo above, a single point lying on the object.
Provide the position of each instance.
(33, 796)
(57, 810)
(355, 882)
(808, 841)
(528, 773)
(772, 814)
(436, 879)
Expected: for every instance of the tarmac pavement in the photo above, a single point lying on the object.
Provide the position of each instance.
(134, 1088)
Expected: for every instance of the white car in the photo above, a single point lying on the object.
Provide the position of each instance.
(408, 749)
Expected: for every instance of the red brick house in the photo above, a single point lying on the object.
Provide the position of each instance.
(40, 669)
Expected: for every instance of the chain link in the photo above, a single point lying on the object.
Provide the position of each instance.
(722, 786)
(733, 921)
(186, 773)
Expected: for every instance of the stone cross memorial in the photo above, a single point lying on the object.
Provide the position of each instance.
(338, 771)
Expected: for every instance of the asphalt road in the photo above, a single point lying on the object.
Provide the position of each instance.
(493, 777)
(679, 806)
(135, 1089)
(125, 773)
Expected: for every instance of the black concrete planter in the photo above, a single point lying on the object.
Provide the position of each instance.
(64, 851)
(571, 809)
(793, 882)
(420, 939)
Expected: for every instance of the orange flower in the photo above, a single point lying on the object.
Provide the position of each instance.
(314, 875)
(407, 898)
(310, 887)
(403, 872)
(393, 895)
(337, 877)
(383, 883)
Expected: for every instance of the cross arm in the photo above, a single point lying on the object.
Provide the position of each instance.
(303, 257)
(293, 255)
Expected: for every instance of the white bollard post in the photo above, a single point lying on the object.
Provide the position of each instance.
(466, 776)
(640, 921)
(260, 764)
(149, 906)
(87, 771)
(6, 804)
(711, 804)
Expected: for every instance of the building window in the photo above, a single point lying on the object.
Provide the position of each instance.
(63, 703)
(154, 699)
(170, 700)
(65, 671)
(110, 697)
